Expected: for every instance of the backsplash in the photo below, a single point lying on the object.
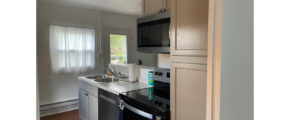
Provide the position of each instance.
(141, 71)
(143, 80)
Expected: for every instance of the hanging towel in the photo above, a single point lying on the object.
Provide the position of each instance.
(121, 109)
(153, 117)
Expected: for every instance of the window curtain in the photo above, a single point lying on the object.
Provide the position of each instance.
(72, 50)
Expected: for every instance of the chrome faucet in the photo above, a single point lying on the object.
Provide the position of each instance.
(114, 73)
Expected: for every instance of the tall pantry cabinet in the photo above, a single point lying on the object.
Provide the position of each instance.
(188, 57)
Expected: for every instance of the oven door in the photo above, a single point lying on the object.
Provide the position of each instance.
(132, 113)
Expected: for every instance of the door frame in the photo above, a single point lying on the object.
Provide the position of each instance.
(214, 59)
(120, 28)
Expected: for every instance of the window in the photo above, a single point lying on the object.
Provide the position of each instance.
(72, 50)
(118, 49)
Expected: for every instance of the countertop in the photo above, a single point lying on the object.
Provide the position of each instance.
(115, 87)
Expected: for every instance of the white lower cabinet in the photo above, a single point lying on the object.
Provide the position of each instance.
(88, 106)
(83, 105)
(93, 107)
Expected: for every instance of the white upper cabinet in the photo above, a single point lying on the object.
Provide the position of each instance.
(150, 7)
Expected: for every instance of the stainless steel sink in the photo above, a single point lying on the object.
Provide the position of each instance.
(95, 77)
(100, 78)
(107, 80)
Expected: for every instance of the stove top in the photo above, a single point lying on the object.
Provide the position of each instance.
(151, 97)
(157, 97)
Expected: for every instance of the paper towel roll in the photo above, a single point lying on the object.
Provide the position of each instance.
(132, 76)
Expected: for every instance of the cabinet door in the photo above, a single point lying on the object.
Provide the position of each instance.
(93, 107)
(151, 6)
(189, 24)
(188, 91)
(83, 105)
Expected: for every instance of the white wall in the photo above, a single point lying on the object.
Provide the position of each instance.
(57, 88)
(163, 61)
(36, 84)
(237, 60)
(123, 21)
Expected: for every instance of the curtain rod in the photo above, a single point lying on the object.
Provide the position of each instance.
(71, 26)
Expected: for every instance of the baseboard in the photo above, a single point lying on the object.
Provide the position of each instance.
(60, 107)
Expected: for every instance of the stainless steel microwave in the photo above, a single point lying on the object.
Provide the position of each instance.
(153, 33)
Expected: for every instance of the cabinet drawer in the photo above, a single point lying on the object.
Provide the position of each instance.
(88, 88)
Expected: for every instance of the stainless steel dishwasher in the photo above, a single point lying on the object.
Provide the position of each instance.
(108, 105)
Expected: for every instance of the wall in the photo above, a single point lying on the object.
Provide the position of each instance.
(163, 61)
(141, 71)
(237, 61)
(57, 88)
(123, 21)
(36, 84)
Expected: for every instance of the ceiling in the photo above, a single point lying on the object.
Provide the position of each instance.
(128, 7)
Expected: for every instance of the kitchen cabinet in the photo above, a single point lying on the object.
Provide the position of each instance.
(88, 106)
(83, 105)
(189, 27)
(150, 7)
(188, 59)
(93, 107)
(188, 91)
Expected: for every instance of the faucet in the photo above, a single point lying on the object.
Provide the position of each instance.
(114, 73)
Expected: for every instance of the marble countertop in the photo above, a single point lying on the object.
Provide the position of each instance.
(115, 87)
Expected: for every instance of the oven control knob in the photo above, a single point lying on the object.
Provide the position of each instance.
(160, 103)
(156, 102)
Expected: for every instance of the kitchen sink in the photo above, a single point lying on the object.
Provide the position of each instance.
(95, 77)
(107, 80)
(101, 78)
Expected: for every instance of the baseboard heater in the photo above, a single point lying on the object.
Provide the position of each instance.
(59, 107)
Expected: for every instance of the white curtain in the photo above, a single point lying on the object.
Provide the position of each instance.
(72, 50)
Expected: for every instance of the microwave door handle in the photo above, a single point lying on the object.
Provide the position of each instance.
(139, 112)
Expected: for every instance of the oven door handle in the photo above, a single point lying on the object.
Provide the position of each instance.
(139, 112)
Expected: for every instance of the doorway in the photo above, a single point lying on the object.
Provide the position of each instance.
(117, 46)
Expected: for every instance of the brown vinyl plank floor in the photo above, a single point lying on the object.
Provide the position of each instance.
(70, 115)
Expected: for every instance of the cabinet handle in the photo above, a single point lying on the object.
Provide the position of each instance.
(169, 31)
(86, 94)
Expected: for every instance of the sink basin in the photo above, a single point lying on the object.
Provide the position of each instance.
(100, 78)
(107, 80)
(95, 77)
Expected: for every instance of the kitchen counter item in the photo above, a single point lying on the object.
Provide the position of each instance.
(150, 78)
(132, 73)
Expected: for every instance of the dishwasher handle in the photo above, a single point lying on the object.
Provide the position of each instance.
(108, 99)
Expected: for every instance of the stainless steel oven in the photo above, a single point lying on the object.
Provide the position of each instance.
(148, 103)
(153, 33)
